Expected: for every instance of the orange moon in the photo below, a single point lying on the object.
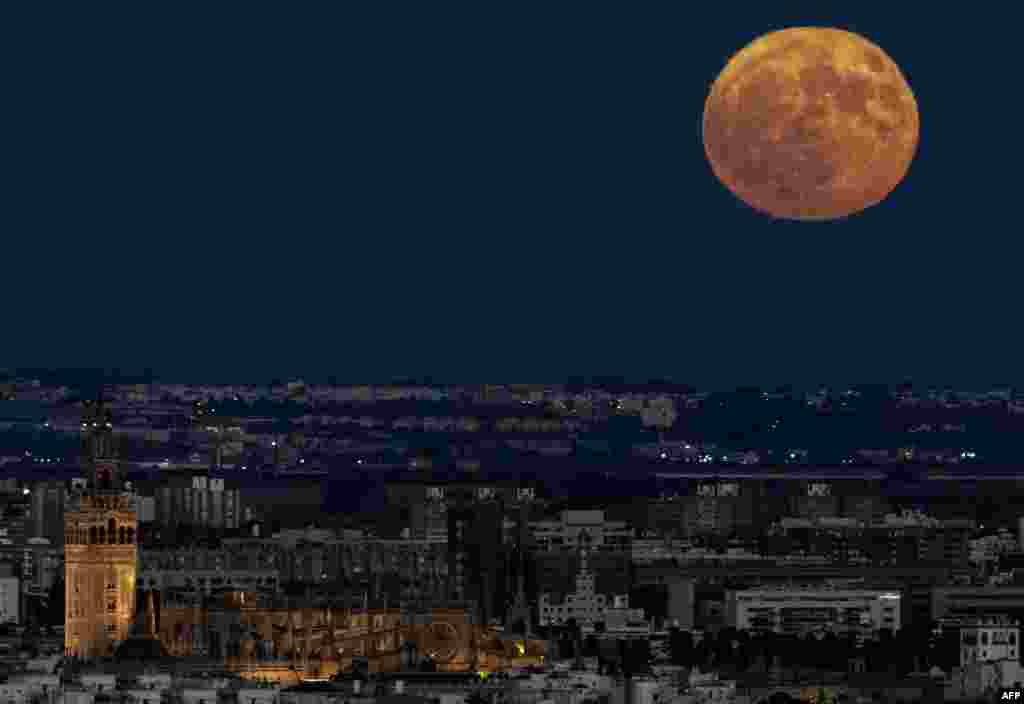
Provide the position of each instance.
(810, 123)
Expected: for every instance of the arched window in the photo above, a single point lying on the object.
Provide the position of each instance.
(112, 531)
(93, 537)
(102, 536)
(131, 536)
(120, 535)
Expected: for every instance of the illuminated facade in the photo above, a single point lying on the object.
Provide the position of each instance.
(100, 549)
(268, 639)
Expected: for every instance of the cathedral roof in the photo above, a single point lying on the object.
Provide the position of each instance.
(140, 647)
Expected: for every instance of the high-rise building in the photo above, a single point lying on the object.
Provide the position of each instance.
(197, 500)
(46, 510)
(477, 556)
(483, 524)
(99, 548)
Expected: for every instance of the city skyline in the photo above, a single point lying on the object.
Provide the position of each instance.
(193, 530)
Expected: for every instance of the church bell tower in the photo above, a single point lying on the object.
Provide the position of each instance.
(100, 551)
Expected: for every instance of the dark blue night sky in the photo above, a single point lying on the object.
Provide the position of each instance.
(490, 191)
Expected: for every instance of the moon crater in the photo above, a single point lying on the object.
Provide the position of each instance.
(810, 124)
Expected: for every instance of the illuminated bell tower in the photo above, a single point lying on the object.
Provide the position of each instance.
(100, 552)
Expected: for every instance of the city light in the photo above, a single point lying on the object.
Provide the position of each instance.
(400, 555)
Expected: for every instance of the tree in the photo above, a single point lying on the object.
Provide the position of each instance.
(947, 649)
(703, 652)
(915, 642)
(575, 632)
(887, 653)
(753, 651)
(652, 598)
(680, 645)
(639, 655)
(821, 696)
(729, 646)
(832, 653)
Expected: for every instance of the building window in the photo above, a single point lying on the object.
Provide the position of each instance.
(92, 535)
(130, 535)
(120, 535)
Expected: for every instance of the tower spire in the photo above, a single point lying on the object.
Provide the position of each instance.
(99, 456)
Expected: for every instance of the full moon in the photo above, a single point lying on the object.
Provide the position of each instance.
(810, 123)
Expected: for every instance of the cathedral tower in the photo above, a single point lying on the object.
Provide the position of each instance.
(100, 552)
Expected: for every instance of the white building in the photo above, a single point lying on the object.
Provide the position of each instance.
(989, 655)
(988, 548)
(589, 607)
(707, 687)
(208, 581)
(99, 681)
(565, 532)
(989, 639)
(801, 610)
